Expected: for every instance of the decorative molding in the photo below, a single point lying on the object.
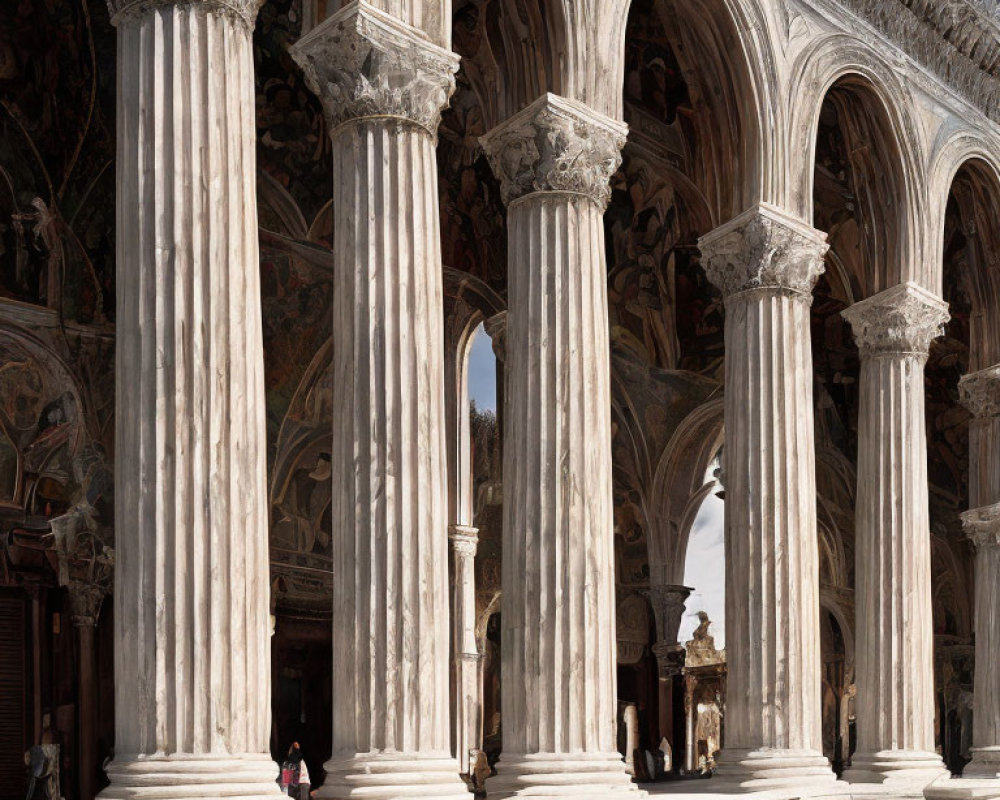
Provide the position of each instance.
(958, 41)
(982, 526)
(902, 320)
(556, 145)
(86, 564)
(496, 329)
(980, 392)
(464, 540)
(764, 248)
(243, 10)
(363, 64)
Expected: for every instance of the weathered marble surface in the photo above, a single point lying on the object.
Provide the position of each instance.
(383, 85)
(895, 643)
(192, 666)
(554, 160)
(766, 263)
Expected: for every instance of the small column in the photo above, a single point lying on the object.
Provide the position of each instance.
(766, 264)
(86, 570)
(383, 84)
(467, 722)
(192, 653)
(555, 159)
(895, 642)
(668, 608)
(980, 393)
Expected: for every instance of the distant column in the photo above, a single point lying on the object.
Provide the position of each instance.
(467, 712)
(555, 160)
(895, 636)
(383, 84)
(766, 264)
(668, 608)
(980, 393)
(192, 650)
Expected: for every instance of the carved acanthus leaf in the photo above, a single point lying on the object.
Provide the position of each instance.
(982, 526)
(980, 392)
(668, 602)
(243, 10)
(362, 63)
(763, 248)
(556, 145)
(903, 320)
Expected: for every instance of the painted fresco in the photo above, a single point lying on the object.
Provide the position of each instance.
(56, 156)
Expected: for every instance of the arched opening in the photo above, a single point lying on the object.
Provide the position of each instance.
(955, 466)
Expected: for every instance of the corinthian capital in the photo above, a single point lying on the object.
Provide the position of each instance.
(556, 145)
(244, 11)
(668, 607)
(363, 63)
(982, 526)
(902, 320)
(763, 248)
(980, 392)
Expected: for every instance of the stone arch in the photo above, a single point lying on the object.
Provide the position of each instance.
(873, 112)
(975, 190)
(724, 51)
(678, 481)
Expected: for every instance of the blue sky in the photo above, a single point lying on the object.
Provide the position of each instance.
(482, 372)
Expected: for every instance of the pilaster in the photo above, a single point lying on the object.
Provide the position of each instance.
(895, 665)
(383, 85)
(554, 160)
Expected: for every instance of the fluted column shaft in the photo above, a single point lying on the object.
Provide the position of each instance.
(555, 159)
(192, 666)
(980, 393)
(467, 722)
(383, 85)
(895, 641)
(766, 264)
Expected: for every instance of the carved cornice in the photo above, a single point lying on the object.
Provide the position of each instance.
(556, 145)
(903, 320)
(957, 40)
(464, 540)
(763, 249)
(365, 64)
(980, 392)
(982, 526)
(245, 11)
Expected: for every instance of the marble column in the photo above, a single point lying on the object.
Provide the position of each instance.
(467, 721)
(980, 393)
(895, 642)
(192, 652)
(766, 264)
(555, 159)
(668, 609)
(383, 85)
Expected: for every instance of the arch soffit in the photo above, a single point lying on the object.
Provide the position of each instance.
(827, 61)
(959, 150)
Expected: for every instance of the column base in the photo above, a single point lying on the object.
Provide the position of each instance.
(963, 789)
(760, 770)
(896, 767)
(184, 776)
(985, 763)
(378, 776)
(562, 775)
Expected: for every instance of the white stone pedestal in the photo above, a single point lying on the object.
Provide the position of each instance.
(192, 646)
(555, 159)
(895, 642)
(766, 263)
(383, 84)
